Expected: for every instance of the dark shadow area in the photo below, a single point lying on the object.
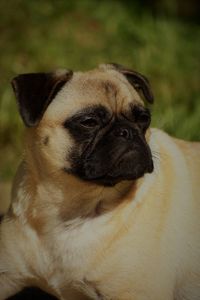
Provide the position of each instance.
(32, 294)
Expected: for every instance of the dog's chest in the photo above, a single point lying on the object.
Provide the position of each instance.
(75, 250)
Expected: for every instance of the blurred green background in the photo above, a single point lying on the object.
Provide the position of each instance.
(160, 39)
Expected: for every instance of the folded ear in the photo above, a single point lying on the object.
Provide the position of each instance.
(35, 91)
(137, 80)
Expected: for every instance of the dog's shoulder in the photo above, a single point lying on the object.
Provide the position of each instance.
(178, 157)
(191, 153)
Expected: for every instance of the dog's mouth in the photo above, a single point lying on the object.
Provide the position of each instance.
(128, 167)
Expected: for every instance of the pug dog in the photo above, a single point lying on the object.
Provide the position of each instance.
(103, 206)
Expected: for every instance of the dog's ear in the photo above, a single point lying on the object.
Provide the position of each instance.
(137, 80)
(35, 91)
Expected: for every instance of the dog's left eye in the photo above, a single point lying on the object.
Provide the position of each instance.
(89, 122)
(142, 117)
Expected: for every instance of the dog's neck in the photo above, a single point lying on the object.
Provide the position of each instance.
(43, 199)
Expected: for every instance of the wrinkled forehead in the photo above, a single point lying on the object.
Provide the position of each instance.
(93, 88)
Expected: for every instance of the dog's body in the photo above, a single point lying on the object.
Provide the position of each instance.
(101, 236)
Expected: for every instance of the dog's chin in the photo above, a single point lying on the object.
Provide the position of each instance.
(115, 177)
(129, 167)
(110, 181)
(126, 168)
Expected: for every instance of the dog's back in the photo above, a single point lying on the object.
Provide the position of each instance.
(185, 212)
(191, 152)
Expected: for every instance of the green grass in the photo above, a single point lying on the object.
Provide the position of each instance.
(45, 35)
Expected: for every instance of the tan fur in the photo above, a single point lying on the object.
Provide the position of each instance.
(135, 241)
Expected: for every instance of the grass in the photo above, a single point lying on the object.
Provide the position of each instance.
(42, 36)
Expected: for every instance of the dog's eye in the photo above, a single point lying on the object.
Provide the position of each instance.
(143, 117)
(89, 122)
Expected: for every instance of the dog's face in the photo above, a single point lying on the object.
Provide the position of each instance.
(91, 125)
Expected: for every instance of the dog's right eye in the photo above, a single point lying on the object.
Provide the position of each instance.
(89, 122)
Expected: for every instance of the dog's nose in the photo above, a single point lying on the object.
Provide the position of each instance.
(123, 132)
